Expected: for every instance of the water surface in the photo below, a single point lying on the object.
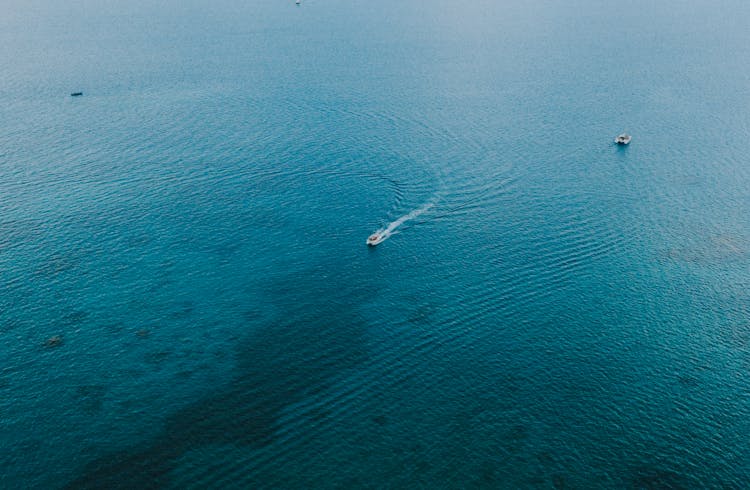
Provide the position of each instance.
(562, 313)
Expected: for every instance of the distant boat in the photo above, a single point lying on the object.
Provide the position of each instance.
(76, 94)
(375, 238)
(623, 139)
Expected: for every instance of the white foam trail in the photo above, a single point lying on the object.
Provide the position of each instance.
(386, 232)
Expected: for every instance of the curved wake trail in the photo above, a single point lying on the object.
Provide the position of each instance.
(386, 232)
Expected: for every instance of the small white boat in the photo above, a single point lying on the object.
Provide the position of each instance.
(375, 238)
(623, 139)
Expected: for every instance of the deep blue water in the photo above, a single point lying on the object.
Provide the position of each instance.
(564, 313)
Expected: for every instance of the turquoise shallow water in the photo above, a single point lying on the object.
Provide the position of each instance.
(563, 314)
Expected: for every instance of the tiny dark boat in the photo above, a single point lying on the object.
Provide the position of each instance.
(76, 94)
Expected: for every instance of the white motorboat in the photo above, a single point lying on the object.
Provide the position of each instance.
(375, 238)
(623, 139)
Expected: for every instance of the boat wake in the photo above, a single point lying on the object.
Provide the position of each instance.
(383, 234)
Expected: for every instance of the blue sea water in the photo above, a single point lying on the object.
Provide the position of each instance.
(552, 312)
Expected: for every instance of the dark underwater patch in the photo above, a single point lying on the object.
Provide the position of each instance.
(279, 364)
(54, 341)
(9, 325)
(185, 374)
(653, 478)
(114, 327)
(737, 336)
(139, 240)
(157, 358)
(558, 482)
(715, 248)
(20, 232)
(75, 317)
(56, 265)
(223, 250)
(688, 381)
(488, 474)
(91, 397)
(183, 309)
(515, 438)
(423, 314)
(252, 315)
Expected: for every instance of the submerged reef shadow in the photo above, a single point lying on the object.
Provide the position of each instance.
(279, 363)
(716, 248)
(653, 478)
(91, 397)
